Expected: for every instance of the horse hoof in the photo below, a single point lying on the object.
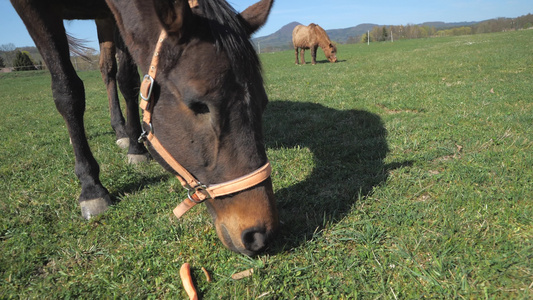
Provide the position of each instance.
(94, 207)
(138, 158)
(123, 143)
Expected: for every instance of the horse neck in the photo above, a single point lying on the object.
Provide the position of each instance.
(322, 38)
(324, 44)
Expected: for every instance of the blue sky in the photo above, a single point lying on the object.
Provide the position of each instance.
(330, 14)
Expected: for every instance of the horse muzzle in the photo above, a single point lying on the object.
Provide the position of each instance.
(246, 222)
(251, 242)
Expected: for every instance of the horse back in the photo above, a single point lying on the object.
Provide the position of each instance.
(69, 9)
(303, 37)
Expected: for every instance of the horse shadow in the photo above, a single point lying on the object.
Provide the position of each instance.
(325, 61)
(348, 149)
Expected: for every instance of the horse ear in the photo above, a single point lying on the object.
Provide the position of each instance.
(176, 17)
(256, 15)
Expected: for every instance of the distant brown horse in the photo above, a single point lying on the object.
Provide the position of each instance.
(311, 37)
(203, 109)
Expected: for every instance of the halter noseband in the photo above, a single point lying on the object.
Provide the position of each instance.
(196, 191)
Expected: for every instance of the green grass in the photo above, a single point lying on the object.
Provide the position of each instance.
(403, 171)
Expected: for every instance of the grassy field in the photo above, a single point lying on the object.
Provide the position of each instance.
(403, 171)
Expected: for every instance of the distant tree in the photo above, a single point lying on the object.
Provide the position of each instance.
(2, 64)
(422, 32)
(375, 34)
(7, 51)
(401, 32)
(524, 22)
(23, 62)
(431, 30)
(384, 34)
(364, 38)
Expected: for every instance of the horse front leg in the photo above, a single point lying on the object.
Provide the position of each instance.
(108, 68)
(313, 55)
(129, 83)
(48, 33)
(69, 96)
(296, 54)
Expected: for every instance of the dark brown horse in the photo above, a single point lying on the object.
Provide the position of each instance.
(206, 101)
(311, 37)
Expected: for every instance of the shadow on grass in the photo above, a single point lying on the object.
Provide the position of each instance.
(325, 61)
(348, 146)
(121, 189)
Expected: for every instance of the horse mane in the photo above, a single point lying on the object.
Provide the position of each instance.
(230, 34)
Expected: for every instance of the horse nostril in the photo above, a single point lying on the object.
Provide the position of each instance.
(254, 239)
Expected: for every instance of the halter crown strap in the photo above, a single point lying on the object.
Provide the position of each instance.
(197, 192)
(148, 81)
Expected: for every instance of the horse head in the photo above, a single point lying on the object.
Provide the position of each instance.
(208, 103)
(331, 52)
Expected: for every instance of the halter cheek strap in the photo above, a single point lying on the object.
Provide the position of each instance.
(196, 191)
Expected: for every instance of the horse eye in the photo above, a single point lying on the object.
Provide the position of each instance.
(199, 108)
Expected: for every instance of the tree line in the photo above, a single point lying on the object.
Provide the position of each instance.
(410, 31)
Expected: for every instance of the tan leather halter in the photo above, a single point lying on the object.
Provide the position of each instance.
(196, 191)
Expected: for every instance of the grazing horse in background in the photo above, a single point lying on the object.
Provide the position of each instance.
(203, 100)
(311, 37)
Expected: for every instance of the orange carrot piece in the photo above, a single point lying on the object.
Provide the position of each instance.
(186, 279)
(207, 276)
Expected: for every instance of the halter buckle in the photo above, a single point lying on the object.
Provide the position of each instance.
(192, 193)
(149, 79)
(144, 135)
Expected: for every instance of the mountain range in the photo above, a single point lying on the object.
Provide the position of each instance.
(282, 39)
